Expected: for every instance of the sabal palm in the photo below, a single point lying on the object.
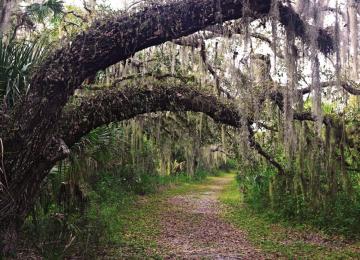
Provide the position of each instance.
(17, 59)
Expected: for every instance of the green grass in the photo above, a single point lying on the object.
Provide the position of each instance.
(134, 221)
(120, 219)
(123, 225)
(280, 239)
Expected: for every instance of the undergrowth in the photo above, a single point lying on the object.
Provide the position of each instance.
(283, 238)
(114, 222)
(270, 194)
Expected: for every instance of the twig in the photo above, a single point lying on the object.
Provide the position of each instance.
(213, 72)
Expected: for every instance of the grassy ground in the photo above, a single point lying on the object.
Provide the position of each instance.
(138, 227)
(280, 239)
(137, 224)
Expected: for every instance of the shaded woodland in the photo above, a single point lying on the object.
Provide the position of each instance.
(97, 103)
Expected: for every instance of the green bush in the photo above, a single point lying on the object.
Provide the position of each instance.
(230, 164)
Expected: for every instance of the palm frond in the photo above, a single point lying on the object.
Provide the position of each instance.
(17, 59)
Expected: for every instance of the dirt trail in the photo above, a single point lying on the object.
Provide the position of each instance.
(193, 228)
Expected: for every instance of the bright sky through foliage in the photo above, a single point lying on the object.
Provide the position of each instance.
(116, 4)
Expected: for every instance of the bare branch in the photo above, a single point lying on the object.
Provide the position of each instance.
(255, 145)
(213, 72)
(344, 84)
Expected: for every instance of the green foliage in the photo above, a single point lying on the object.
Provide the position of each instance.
(229, 165)
(109, 213)
(282, 239)
(267, 192)
(17, 60)
(88, 198)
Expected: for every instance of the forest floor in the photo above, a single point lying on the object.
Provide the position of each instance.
(208, 220)
(193, 228)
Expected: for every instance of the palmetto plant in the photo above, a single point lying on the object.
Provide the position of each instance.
(17, 59)
(91, 152)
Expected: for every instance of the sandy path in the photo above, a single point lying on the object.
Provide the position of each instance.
(193, 228)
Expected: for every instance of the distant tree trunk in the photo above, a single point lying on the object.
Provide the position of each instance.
(6, 9)
(90, 7)
(352, 10)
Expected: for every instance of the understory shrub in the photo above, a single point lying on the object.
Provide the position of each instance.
(83, 230)
(267, 193)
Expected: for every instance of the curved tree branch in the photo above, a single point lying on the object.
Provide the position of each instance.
(121, 104)
(107, 106)
(344, 84)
